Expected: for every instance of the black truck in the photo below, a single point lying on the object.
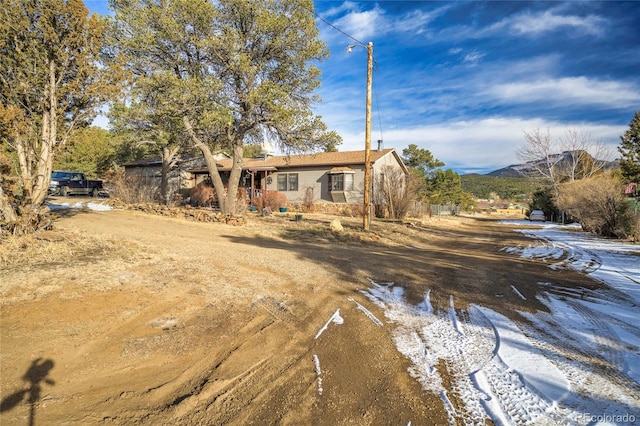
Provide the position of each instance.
(67, 183)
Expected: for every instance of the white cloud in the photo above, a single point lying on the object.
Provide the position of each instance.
(478, 145)
(347, 6)
(365, 25)
(546, 21)
(569, 90)
(362, 25)
(530, 24)
(417, 21)
(473, 57)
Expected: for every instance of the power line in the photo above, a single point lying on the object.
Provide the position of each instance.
(375, 63)
(332, 26)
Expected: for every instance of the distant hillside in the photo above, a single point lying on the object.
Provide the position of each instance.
(529, 168)
(515, 182)
(507, 188)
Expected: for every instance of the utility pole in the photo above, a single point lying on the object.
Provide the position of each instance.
(366, 214)
(367, 144)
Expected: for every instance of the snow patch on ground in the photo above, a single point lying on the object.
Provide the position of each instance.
(517, 351)
(516, 291)
(578, 364)
(367, 312)
(316, 362)
(78, 205)
(335, 318)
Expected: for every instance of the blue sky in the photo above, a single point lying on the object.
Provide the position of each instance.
(465, 79)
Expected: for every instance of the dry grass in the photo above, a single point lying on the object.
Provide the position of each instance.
(57, 248)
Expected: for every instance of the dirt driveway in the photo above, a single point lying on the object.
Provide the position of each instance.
(123, 317)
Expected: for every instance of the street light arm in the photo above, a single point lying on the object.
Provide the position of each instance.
(351, 46)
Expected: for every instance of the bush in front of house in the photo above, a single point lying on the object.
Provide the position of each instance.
(131, 189)
(202, 195)
(271, 199)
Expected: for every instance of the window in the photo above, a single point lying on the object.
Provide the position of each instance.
(287, 181)
(293, 181)
(341, 182)
(282, 182)
(336, 182)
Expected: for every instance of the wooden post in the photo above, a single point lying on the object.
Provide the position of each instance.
(367, 144)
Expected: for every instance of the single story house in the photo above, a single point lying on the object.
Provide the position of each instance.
(325, 177)
(149, 170)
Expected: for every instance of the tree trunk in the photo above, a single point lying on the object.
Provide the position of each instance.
(167, 156)
(7, 212)
(209, 159)
(234, 179)
(25, 219)
(36, 163)
(44, 163)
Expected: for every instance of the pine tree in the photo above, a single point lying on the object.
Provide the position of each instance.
(230, 72)
(51, 83)
(630, 150)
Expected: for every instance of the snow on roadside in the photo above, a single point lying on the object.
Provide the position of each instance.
(579, 364)
(591, 327)
(520, 354)
(613, 315)
(579, 344)
(614, 263)
(473, 354)
(367, 312)
(78, 205)
(101, 207)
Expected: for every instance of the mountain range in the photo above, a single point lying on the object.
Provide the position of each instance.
(530, 168)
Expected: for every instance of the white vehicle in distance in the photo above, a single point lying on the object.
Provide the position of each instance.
(537, 215)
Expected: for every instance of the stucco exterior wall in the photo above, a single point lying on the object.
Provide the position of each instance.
(317, 178)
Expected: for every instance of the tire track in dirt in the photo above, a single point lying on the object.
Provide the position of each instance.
(216, 389)
(475, 384)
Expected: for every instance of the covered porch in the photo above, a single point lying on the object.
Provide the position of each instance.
(253, 179)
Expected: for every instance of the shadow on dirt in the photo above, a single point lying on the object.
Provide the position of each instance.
(35, 376)
(469, 264)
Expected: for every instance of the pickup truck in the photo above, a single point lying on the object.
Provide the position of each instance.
(67, 183)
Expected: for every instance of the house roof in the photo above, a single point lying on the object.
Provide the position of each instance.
(333, 159)
(343, 169)
(157, 161)
(144, 162)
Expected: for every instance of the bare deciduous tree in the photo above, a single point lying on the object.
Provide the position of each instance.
(585, 156)
(538, 151)
(395, 190)
(574, 155)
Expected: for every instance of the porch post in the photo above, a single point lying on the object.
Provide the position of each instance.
(264, 190)
(253, 190)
